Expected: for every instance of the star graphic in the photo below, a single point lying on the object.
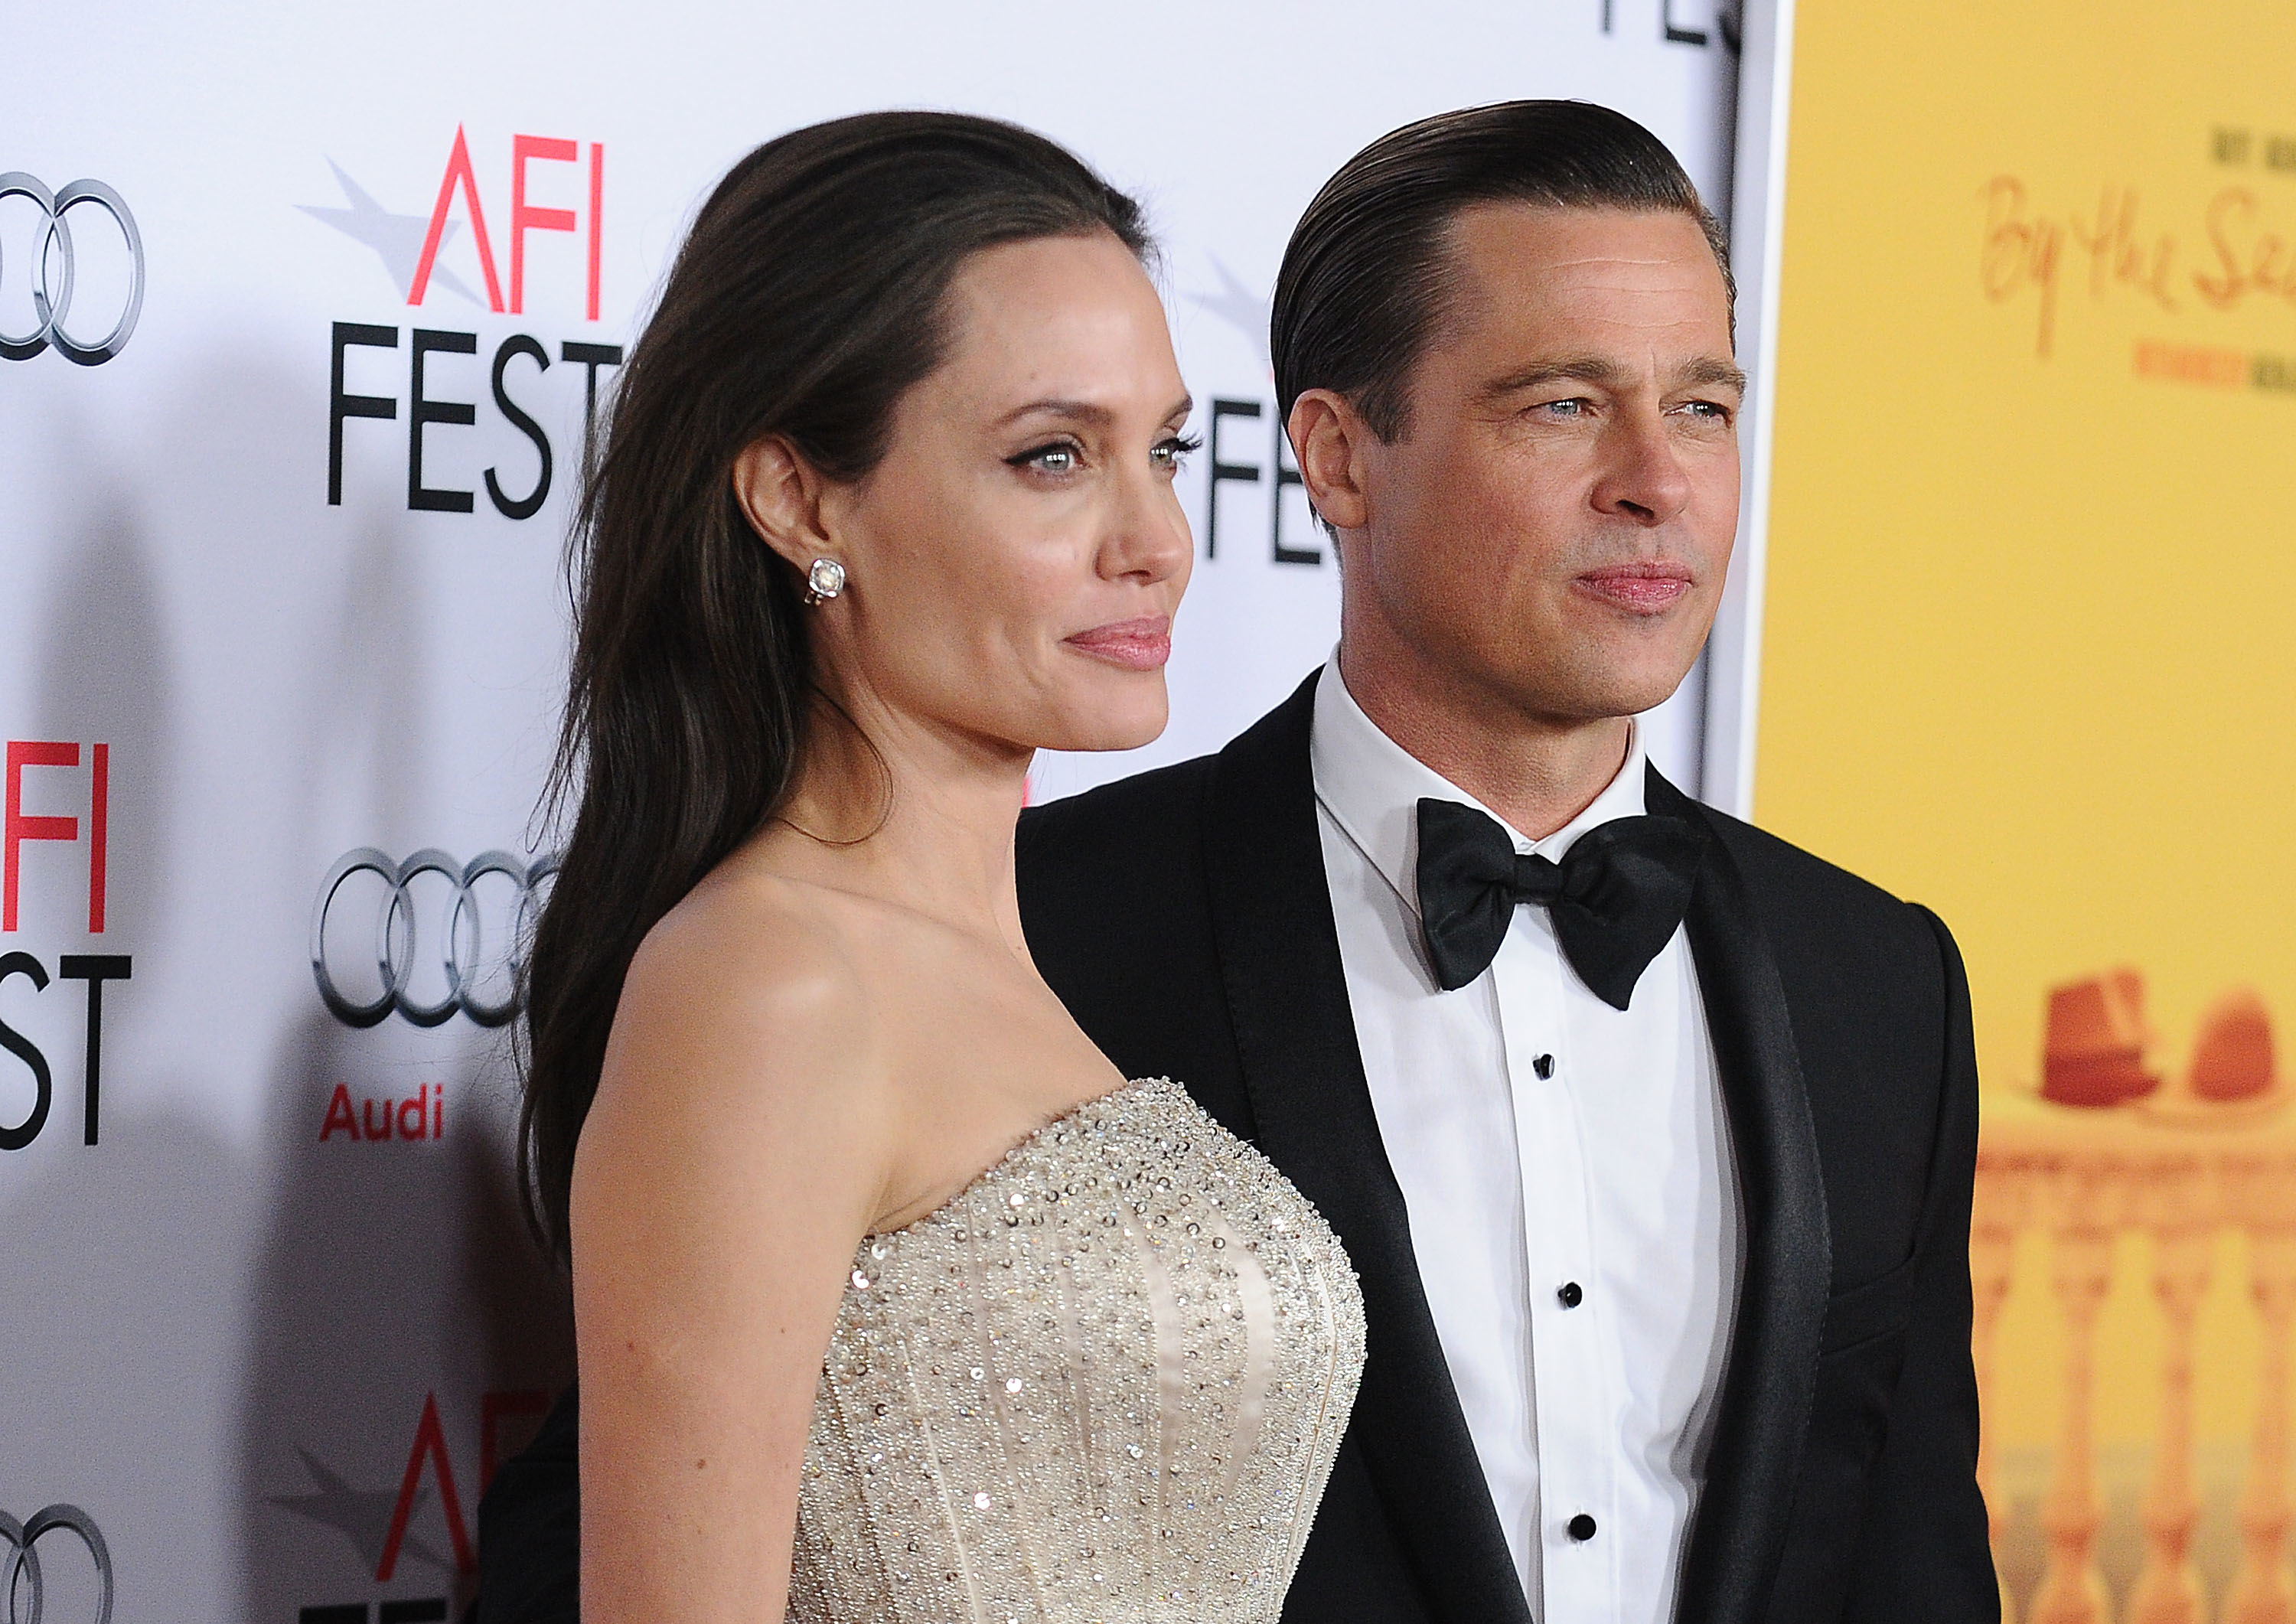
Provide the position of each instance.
(1241, 308)
(398, 238)
(362, 1516)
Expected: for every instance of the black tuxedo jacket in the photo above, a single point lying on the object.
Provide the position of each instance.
(1184, 918)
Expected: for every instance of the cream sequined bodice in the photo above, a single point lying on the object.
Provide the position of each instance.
(1103, 1385)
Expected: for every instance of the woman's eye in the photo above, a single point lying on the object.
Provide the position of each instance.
(1169, 454)
(1056, 459)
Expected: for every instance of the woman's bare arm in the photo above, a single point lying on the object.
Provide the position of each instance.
(732, 1162)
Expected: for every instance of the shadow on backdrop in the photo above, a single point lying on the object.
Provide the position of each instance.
(405, 1328)
(123, 1334)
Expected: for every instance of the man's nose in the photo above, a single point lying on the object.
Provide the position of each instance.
(1642, 478)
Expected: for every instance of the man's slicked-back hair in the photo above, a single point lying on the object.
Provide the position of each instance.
(1368, 272)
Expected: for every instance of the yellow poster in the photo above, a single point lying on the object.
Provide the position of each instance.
(2029, 657)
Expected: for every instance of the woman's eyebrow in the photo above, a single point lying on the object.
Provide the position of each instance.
(1085, 411)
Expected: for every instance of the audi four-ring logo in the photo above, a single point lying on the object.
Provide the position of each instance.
(21, 1590)
(51, 301)
(459, 939)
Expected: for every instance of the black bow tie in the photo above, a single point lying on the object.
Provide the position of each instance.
(1615, 899)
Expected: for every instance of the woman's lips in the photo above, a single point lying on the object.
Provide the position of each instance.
(1137, 646)
(1643, 589)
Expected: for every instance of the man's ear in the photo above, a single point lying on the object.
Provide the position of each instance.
(780, 493)
(1329, 439)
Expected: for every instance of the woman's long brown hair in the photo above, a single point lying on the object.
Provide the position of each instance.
(806, 298)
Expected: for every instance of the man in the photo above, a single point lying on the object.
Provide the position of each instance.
(1651, 1136)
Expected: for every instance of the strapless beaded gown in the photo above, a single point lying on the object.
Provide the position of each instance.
(1102, 1385)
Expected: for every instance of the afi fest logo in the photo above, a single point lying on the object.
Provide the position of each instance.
(38, 240)
(411, 247)
(1233, 455)
(379, 1524)
(52, 772)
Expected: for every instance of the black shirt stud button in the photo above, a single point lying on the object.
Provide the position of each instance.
(1543, 1064)
(1571, 1297)
(1580, 1527)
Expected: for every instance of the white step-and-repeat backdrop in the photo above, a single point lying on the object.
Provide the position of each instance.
(302, 310)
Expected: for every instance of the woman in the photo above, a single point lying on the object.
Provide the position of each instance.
(893, 1299)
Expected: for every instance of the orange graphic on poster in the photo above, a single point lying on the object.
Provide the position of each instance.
(2096, 1050)
(2106, 1151)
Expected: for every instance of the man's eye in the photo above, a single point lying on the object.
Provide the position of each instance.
(1713, 411)
(1564, 408)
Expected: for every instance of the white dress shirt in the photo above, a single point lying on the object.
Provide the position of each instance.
(1551, 1150)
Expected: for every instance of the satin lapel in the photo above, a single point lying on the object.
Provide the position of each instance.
(1295, 1036)
(1740, 1528)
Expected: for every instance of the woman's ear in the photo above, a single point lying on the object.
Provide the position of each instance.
(1329, 438)
(780, 492)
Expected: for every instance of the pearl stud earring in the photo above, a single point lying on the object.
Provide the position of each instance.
(823, 581)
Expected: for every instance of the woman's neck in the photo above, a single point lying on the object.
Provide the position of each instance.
(907, 811)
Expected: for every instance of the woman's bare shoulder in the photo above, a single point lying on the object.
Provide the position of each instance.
(749, 945)
(747, 1039)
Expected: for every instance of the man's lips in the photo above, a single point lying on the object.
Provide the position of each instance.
(1643, 589)
(1138, 645)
